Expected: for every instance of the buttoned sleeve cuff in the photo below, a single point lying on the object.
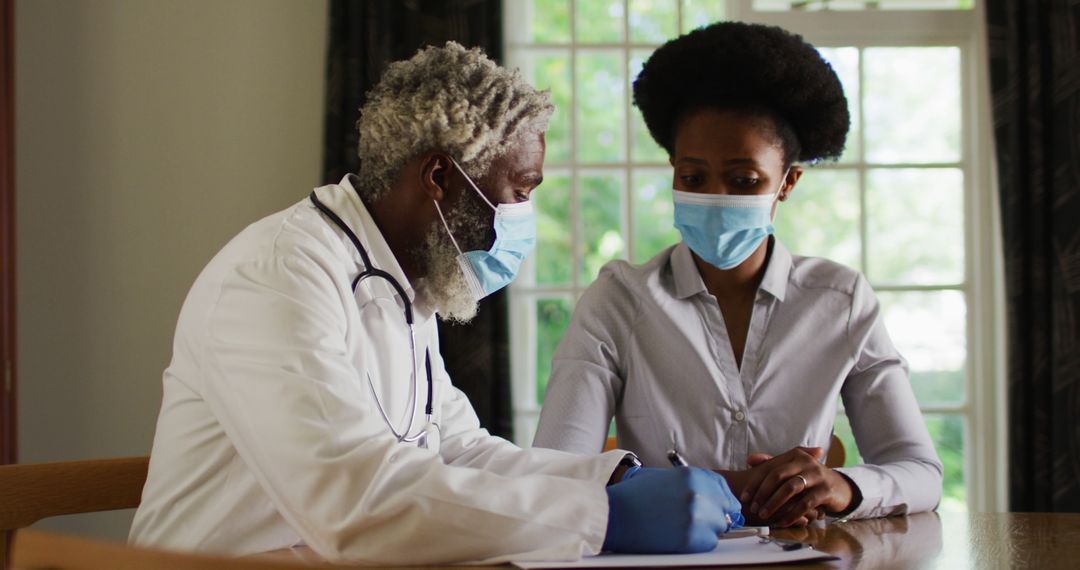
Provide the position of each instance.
(868, 500)
(856, 498)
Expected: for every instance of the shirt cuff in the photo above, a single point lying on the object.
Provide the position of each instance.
(856, 498)
(868, 499)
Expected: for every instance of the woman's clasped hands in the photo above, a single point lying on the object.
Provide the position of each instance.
(791, 489)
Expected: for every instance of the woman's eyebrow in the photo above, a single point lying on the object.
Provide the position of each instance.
(727, 162)
(693, 160)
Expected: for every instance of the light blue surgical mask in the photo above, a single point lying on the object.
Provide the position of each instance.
(515, 237)
(724, 229)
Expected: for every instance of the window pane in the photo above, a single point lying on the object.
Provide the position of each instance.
(600, 106)
(845, 62)
(821, 216)
(599, 21)
(929, 330)
(553, 252)
(643, 148)
(815, 5)
(915, 226)
(549, 21)
(654, 227)
(550, 69)
(926, 4)
(652, 21)
(947, 432)
(600, 193)
(552, 318)
(912, 104)
(698, 13)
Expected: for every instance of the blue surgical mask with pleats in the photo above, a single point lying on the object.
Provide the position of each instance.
(724, 229)
(515, 237)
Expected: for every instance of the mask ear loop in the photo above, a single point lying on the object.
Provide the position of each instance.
(473, 184)
(469, 272)
(783, 181)
(447, 228)
(474, 187)
(779, 195)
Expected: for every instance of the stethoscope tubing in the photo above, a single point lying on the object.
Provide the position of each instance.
(369, 272)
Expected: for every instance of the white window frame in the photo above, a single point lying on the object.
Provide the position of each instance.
(986, 452)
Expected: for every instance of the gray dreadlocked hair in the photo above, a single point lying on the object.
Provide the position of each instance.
(448, 98)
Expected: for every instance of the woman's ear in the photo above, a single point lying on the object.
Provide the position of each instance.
(793, 175)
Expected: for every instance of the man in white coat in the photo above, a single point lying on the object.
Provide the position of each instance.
(306, 401)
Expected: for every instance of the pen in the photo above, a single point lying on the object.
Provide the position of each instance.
(677, 461)
(784, 543)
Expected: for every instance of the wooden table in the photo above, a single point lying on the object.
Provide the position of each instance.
(926, 540)
(950, 540)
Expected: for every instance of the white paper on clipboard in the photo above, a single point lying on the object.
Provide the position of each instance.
(728, 552)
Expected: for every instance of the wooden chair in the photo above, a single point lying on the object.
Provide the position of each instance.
(837, 454)
(33, 491)
(40, 550)
(835, 458)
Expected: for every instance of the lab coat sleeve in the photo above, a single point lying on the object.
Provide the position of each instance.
(902, 473)
(278, 378)
(586, 377)
(465, 443)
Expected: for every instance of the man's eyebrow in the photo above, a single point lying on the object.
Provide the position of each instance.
(531, 176)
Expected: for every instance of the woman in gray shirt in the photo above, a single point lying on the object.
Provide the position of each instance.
(726, 346)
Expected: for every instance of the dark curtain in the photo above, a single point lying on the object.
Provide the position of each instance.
(1035, 83)
(365, 36)
(7, 231)
(7, 246)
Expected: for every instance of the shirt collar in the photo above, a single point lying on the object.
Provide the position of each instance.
(775, 281)
(344, 199)
(688, 280)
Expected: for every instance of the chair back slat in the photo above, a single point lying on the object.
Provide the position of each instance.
(34, 491)
(837, 455)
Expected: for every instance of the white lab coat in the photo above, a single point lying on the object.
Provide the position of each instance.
(269, 436)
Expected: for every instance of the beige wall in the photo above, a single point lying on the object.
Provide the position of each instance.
(148, 133)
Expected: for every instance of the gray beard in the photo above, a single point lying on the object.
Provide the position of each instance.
(444, 285)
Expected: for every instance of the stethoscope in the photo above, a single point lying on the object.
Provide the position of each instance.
(370, 271)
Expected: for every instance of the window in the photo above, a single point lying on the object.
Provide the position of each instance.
(904, 204)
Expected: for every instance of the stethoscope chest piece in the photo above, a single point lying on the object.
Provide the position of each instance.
(431, 437)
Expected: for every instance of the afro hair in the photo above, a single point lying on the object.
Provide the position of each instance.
(757, 69)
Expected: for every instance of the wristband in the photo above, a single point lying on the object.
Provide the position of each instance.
(630, 464)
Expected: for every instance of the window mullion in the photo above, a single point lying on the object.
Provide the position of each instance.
(626, 212)
(860, 156)
(577, 248)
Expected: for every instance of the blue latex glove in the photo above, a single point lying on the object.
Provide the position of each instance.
(677, 510)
